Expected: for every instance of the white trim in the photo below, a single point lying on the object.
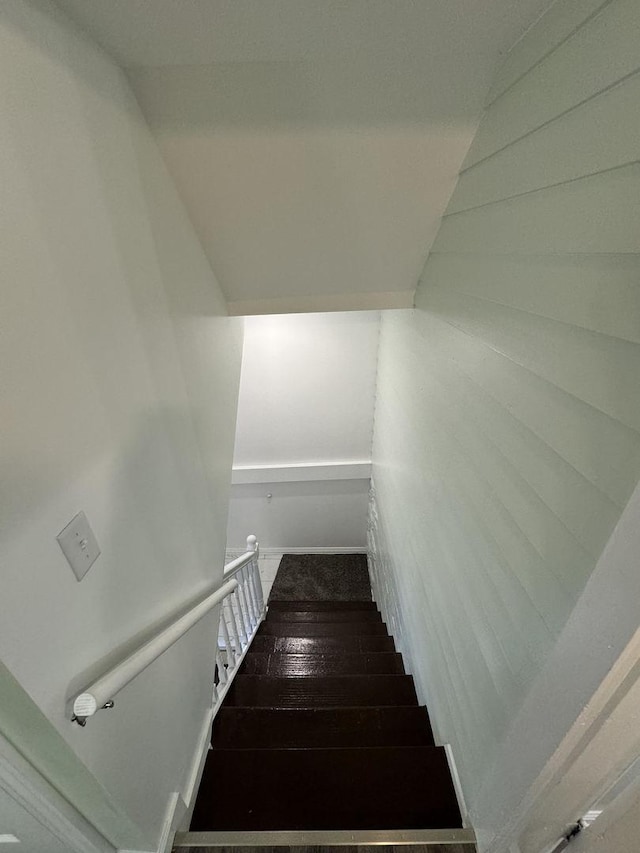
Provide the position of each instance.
(175, 809)
(298, 472)
(32, 791)
(616, 828)
(367, 301)
(190, 788)
(457, 785)
(567, 704)
(273, 552)
(594, 764)
(172, 817)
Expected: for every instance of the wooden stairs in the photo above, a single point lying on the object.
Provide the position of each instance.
(321, 740)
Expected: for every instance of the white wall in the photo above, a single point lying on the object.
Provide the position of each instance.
(119, 374)
(307, 388)
(507, 427)
(305, 413)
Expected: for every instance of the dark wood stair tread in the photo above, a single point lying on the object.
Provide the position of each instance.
(283, 728)
(313, 665)
(321, 730)
(266, 691)
(326, 616)
(355, 788)
(267, 644)
(322, 605)
(322, 629)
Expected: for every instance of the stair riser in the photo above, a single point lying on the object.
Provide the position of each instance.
(323, 629)
(323, 616)
(284, 728)
(258, 691)
(266, 644)
(331, 606)
(317, 665)
(354, 789)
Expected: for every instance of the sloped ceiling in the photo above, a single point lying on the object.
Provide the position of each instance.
(315, 143)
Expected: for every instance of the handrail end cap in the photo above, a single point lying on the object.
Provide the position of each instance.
(85, 705)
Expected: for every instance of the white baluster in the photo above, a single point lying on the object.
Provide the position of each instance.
(222, 670)
(252, 545)
(253, 604)
(257, 581)
(244, 609)
(233, 624)
(231, 655)
(254, 586)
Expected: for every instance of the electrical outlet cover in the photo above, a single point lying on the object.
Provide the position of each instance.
(79, 545)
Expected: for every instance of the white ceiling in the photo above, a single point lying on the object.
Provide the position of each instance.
(315, 143)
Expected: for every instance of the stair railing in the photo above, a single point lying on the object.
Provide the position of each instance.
(240, 616)
(242, 609)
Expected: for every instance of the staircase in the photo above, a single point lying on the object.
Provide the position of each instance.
(321, 731)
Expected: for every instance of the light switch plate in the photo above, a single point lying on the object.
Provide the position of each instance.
(79, 545)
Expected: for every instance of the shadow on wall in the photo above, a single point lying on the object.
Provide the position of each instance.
(312, 514)
(297, 94)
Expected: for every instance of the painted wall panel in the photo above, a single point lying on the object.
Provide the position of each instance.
(507, 422)
(577, 144)
(120, 372)
(558, 24)
(596, 292)
(579, 361)
(571, 427)
(594, 214)
(599, 53)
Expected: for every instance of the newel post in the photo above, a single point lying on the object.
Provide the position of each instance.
(252, 543)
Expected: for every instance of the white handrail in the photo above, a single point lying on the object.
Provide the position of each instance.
(249, 608)
(103, 690)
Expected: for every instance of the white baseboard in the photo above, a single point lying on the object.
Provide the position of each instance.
(199, 756)
(172, 817)
(180, 806)
(455, 778)
(311, 549)
(197, 768)
(31, 791)
(172, 821)
(355, 549)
